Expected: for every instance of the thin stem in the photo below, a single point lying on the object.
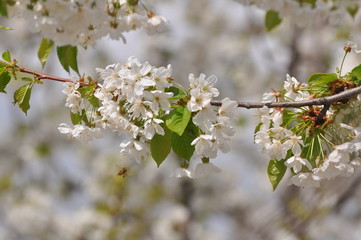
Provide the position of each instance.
(343, 60)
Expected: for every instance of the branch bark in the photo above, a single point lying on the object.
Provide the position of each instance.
(347, 94)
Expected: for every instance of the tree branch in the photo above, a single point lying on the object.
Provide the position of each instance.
(347, 94)
(326, 101)
(44, 76)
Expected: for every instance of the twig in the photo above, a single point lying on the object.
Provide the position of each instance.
(347, 94)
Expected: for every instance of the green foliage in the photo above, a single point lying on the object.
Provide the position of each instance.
(5, 78)
(6, 56)
(160, 146)
(45, 48)
(5, 28)
(87, 92)
(319, 83)
(181, 145)
(276, 170)
(178, 119)
(3, 10)
(22, 97)
(68, 57)
(272, 20)
(352, 10)
(76, 118)
(177, 93)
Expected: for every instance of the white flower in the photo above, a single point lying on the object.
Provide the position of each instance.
(277, 118)
(296, 162)
(222, 127)
(156, 24)
(181, 172)
(269, 97)
(151, 127)
(228, 108)
(205, 146)
(159, 100)
(205, 117)
(263, 140)
(295, 142)
(161, 77)
(80, 132)
(277, 150)
(135, 150)
(204, 169)
(65, 129)
(198, 100)
(305, 180)
(74, 100)
(139, 109)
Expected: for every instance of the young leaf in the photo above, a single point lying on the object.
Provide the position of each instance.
(181, 145)
(45, 48)
(160, 146)
(6, 56)
(320, 78)
(22, 97)
(76, 118)
(357, 70)
(276, 171)
(178, 119)
(68, 57)
(177, 93)
(3, 64)
(3, 10)
(5, 28)
(4, 80)
(352, 10)
(272, 20)
(88, 93)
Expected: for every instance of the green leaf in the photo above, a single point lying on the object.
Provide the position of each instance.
(5, 28)
(22, 97)
(3, 10)
(6, 56)
(45, 48)
(276, 171)
(88, 93)
(321, 78)
(3, 64)
(76, 118)
(27, 79)
(5, 78)
(272, 20)
(357, 70)
(352, 10)
(181, 145)
(68, 57)
(160, 146)
(177, 93)
(178, 119)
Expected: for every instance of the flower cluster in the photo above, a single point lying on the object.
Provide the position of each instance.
(308, 12)
(137, 100)
(302, 139)
(82, 22)
(216, 126)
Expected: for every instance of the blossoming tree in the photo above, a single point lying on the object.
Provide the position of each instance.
(309, 129)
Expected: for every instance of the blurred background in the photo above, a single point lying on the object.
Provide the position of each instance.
(55, 188)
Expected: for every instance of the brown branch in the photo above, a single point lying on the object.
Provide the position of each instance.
(347, 94)
(44, 76)
(41, 76)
